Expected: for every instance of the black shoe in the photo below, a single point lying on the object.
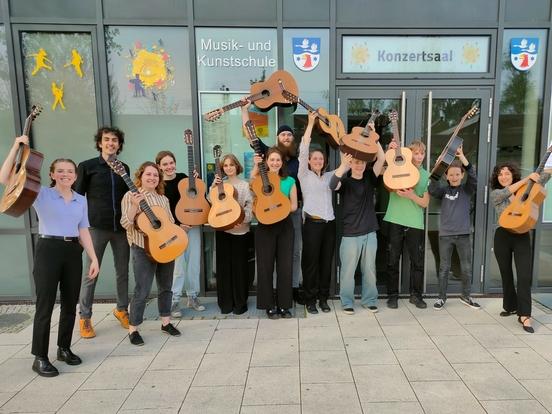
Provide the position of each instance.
(241, 310)
(44, 368)
(65, 354)
(298, 296)
(272, 313)
(136, 339)
(312, 309)
(418, 302)
(169, 329)
(508, 313)
(392, 302)
(284, 313)
(526, 328)
(324, 306)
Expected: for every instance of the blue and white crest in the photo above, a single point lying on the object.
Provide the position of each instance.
(306, 52)
(523, 52)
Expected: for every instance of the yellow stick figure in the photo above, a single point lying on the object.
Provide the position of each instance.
(58, 96)
(76, 62)
(41, 61)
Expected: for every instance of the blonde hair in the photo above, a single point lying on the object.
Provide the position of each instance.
(417, 145)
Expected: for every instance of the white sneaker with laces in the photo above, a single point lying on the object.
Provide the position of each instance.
(175, 310)
(469, 302)
(438, 305)
(195, 305)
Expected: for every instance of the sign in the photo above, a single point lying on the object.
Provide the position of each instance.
(306, 52)
(523, 52)
(411, 54)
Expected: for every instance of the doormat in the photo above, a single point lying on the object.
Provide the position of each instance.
(14, 318)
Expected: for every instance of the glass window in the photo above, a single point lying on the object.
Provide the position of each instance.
(150, 92)
(544, 250)
(14, 277)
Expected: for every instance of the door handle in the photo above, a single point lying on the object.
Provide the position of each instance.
(429, 121)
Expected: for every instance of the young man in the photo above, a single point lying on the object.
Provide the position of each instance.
(405, 215)
(104, 191)
(186, 266)
(359, 239)
(455, 226)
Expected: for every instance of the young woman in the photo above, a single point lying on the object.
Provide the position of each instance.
(505, 181)
(231, 251)
(149, 183)
(319, 223)
(275, 242)
(63, 233)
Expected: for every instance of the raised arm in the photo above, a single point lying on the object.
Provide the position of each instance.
(304, 147)
(10, 158)
(380, 160)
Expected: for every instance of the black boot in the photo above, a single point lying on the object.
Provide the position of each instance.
(44, 368)
(65, 354)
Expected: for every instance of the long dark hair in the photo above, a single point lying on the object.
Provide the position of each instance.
(512, 167)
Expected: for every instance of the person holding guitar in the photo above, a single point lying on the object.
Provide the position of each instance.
(151, 187)
(359, 241)
(63, 233)
(455, 225)
(285, 142)
(318, 225)
(231, 252)
(505, 181)
(274, 242)
(405, 218)
(187, 266)
(104, 191)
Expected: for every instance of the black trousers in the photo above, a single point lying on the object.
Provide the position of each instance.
(316, 262)
(518, 246)
(413, 239)
(56, 262)
(232, 271)
(274, 242)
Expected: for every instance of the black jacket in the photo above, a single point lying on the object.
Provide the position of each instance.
(104, 190)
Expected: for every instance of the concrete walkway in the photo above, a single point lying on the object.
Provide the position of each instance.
(456, 360)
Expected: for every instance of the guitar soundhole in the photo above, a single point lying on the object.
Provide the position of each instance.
(222, 196)
(265, 92)
(192, 193)
(267, 190)
(399, 160)
(156, 224)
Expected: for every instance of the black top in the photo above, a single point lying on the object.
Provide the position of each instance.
(104, 190)
(172, 193)
(359, 213)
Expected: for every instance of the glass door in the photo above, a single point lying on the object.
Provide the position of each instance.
(431, 116)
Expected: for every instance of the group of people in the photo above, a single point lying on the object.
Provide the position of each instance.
(88, 206)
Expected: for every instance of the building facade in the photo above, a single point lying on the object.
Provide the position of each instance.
(153, 69)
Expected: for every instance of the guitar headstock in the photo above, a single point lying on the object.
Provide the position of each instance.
(472, 112)
(251, 132)
(116, 165)
(288, 96)
(217, 151)
(188, 137)
(213, 115)
(373, 116)
(393, 116)
(35, 111)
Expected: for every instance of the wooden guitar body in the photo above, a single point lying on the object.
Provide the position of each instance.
(192, 208)
(361, 147)
(271, 90)
(446, 158)
(269, 206)
(24, 183)
(165, 243)
(335, 129)
(225, 212)
(400, 172)
(522, 214)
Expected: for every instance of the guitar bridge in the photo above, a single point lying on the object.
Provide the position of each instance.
(222, 213)
(168, 242)
(272, 207)
(400, 175)
(193, 210)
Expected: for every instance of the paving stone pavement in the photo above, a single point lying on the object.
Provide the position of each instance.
(457, 360)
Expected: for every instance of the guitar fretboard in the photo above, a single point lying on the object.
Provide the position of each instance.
(191, 166)
(144, 206)
(257, 148)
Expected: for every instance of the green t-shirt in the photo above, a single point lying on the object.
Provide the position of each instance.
(406, 212)
(286, 184)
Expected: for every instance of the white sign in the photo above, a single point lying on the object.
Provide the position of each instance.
(410, 54)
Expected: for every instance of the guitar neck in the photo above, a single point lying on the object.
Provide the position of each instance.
(218, 171)
(542, 164)
(237, 104)
(306, 106)
(257, 148)
(191, 165)
(144, 206)
(396, 137)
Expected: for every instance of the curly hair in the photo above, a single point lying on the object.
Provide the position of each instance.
(138, 176)
(109, 130)
(512, 167)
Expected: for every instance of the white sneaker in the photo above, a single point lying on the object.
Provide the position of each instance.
(195, 305)
(176, 312)
(469, 302)
(438, 305)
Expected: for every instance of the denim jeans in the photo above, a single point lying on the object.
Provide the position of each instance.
(121, 253)
(187, 267)
(463, 247)
(351, 249)
(144, 272)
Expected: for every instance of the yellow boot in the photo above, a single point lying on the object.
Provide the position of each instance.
(86, 328)
(122, 316)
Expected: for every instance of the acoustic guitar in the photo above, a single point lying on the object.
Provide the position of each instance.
(361, 143)
(523, 212)
(270, 205)
(400, 173)
(449, 152)
(192, 208)
(330, 124)
(225, 211)
(164, 241)
(24, 179)
(264, 95)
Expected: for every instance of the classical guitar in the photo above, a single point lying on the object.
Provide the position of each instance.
(523, 212)
(24, 179)
(265, 94)
(270, 205)
(192, 208)
(330, 124)
(225, 211)
(400, 173)
(449, 152)
(361, 143)
(164, 241)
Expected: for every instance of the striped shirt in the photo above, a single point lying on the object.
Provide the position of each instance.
(134, 235)
(246, 201)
